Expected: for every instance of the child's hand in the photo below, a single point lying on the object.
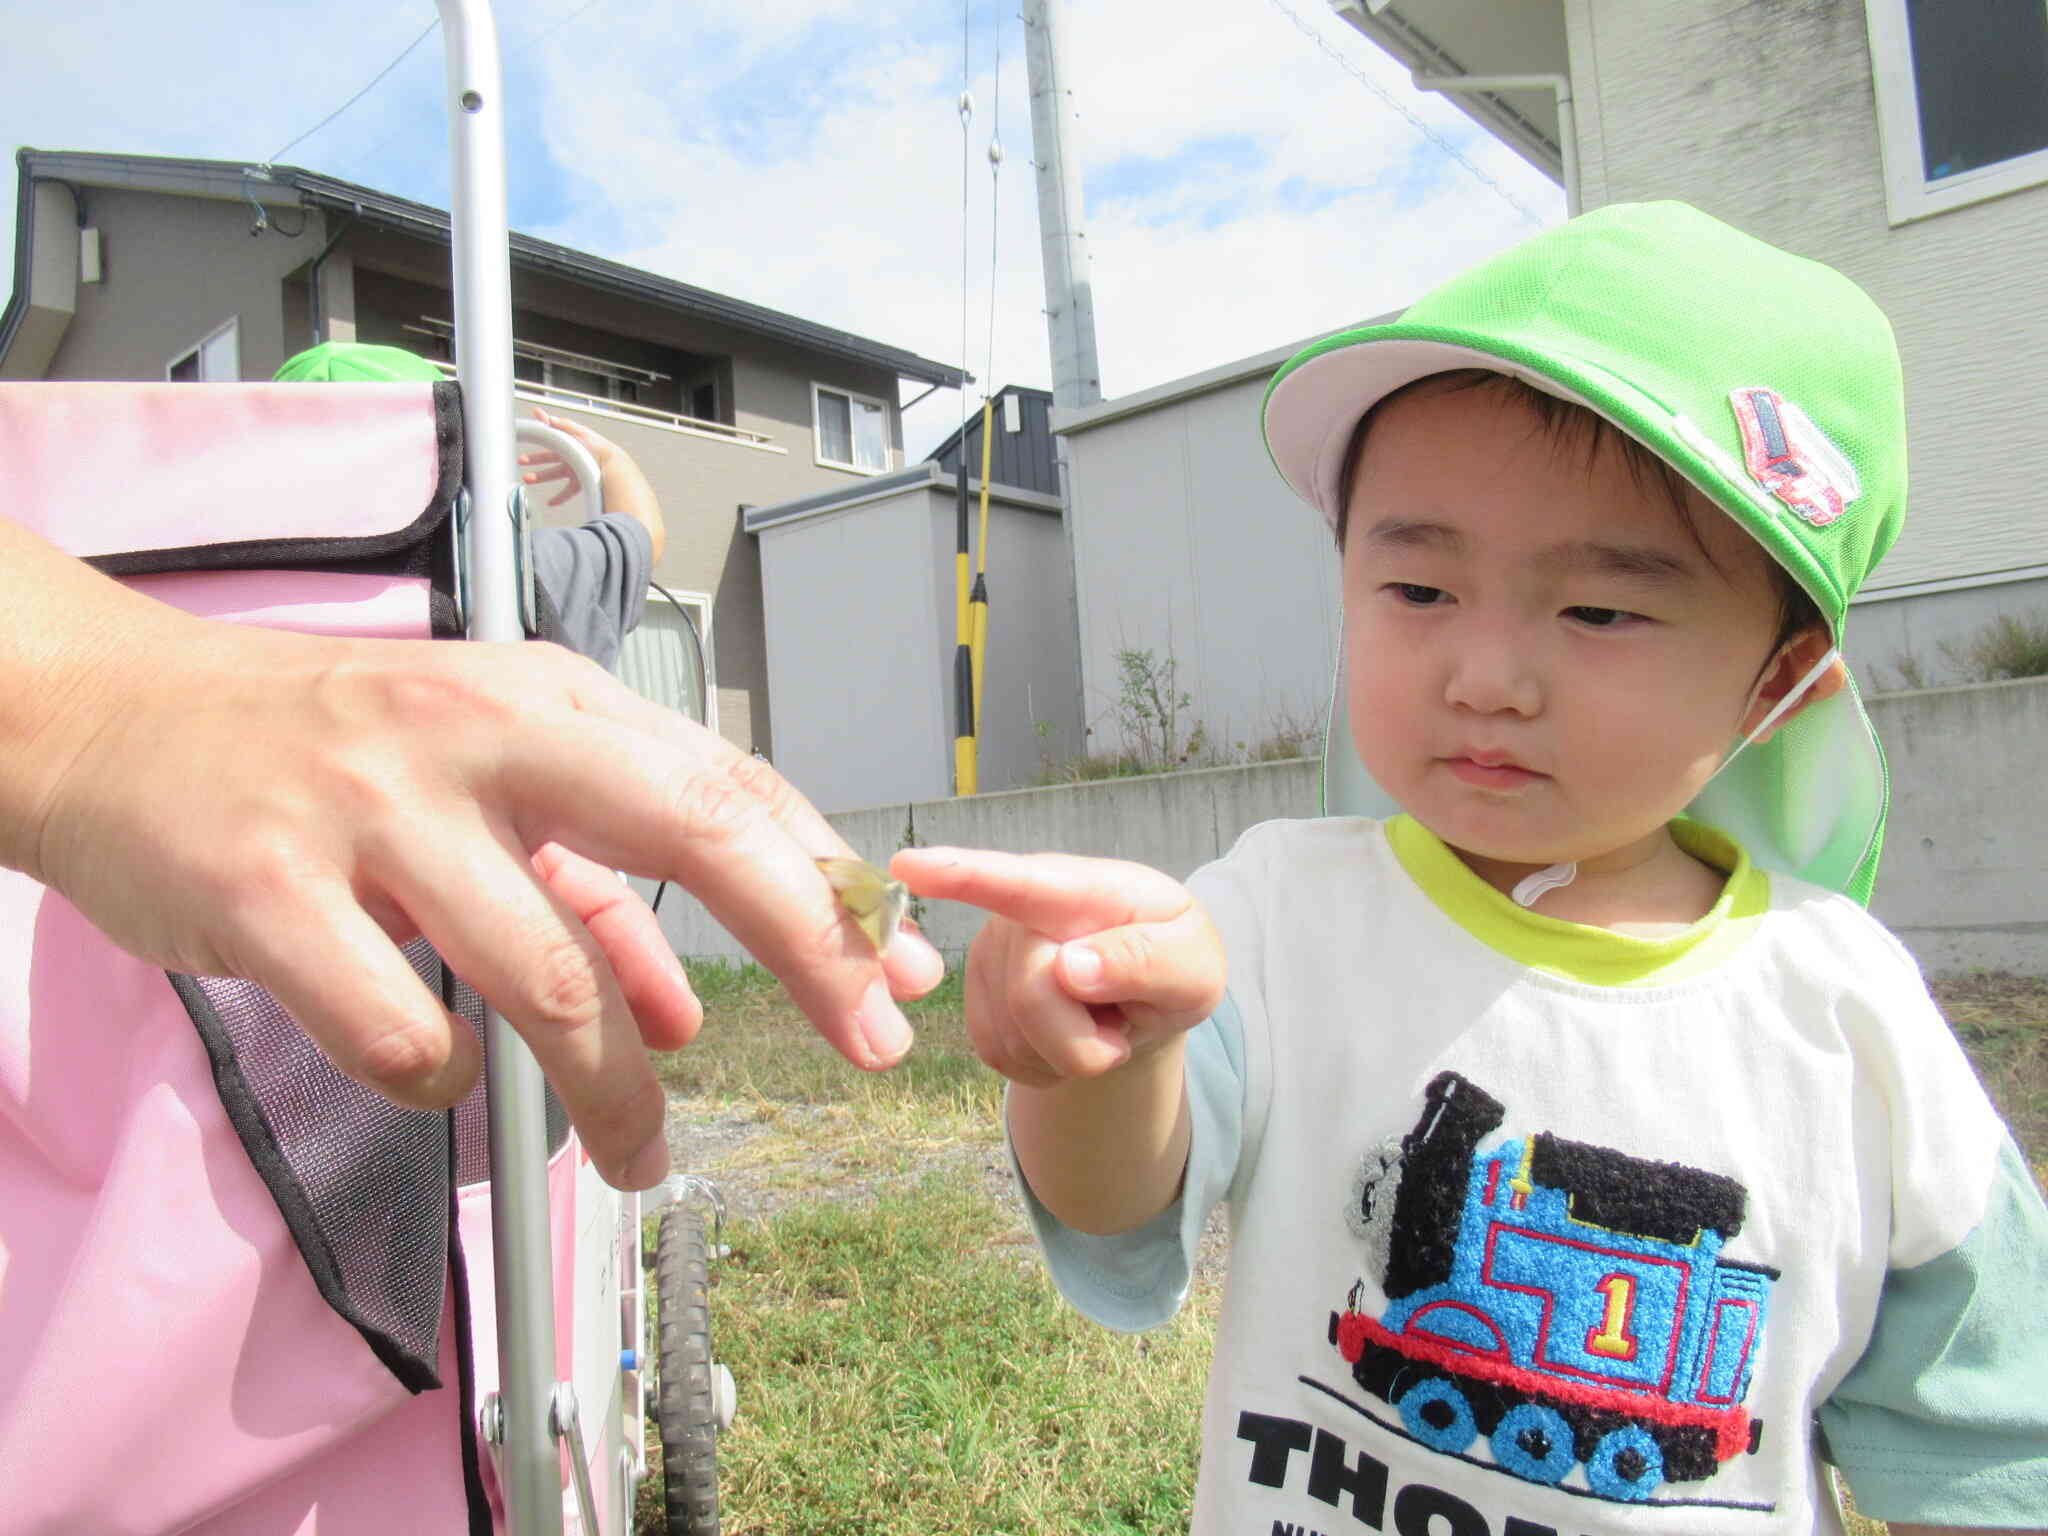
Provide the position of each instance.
(1085, 964)
(624, 484)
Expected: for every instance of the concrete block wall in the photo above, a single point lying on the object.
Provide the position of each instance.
(1964, 881)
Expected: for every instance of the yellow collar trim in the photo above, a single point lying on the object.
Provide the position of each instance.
(1596, 956)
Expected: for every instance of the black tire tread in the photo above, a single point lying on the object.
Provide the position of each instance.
(685, 1408)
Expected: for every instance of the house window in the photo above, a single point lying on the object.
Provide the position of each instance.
(668, 657)
(852, 430)
(1962, 100)
(552, 369)
(529, 367)
(703, 401)
(216, 360)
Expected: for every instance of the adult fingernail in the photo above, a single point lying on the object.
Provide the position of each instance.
(1082, 965)
(649, 1165)
(882, 1024)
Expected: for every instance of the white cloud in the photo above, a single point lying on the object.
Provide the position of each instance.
(858, 223)
(1245, 189)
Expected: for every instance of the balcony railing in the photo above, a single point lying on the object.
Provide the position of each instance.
(605, 405)
(645, 415)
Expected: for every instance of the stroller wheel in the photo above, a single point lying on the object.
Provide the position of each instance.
(687, 1408)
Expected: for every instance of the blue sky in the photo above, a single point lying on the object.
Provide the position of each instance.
(1243, 189)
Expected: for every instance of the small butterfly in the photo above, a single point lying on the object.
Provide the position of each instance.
(870, 897)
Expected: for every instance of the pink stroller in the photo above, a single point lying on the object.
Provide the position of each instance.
(238, 1291)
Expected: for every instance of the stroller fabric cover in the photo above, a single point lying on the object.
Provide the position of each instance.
(223, 1265)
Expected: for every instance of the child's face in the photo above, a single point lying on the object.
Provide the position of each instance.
(1543, 663)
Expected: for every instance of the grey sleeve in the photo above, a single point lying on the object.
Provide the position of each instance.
(596, 576)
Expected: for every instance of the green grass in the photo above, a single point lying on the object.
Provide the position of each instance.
(904, 1365)
(2002, 1021)
(756, 1047)
(907, 1367)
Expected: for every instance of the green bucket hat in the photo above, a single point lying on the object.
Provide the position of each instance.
(357, 362)
(1769, 382)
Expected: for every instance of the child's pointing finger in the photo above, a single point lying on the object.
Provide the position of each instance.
(1171, 972)
(1058, 895)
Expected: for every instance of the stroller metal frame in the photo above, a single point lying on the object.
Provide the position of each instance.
(531, 1416)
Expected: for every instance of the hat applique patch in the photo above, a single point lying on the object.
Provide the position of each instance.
(1792, 458)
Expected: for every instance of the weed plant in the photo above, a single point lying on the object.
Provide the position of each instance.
(2004, 650)
(2007, 647)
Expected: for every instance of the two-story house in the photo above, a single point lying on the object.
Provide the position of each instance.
(135, 267)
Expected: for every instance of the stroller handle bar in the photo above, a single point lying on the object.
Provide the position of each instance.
(528, 1455)
(582, 465)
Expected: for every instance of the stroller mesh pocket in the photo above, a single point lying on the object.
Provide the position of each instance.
(362, 1183)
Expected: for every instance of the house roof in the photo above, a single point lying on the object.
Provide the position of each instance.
(924, 475)
(1480, 37)
(1023, 456)
(272, 186)
(971, 427)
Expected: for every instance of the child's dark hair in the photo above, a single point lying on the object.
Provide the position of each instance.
(1570, 425)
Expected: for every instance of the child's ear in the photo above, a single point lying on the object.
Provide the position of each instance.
(1794, 659)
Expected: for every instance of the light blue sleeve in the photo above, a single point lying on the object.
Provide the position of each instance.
(1136, 1280)
(1944, 1420)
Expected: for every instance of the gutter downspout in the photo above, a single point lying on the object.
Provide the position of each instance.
(1559, 86)
(313, 273)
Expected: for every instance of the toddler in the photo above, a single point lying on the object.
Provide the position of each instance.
(1594, 1162)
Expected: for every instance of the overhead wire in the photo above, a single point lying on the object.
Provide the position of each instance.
(425, 32)
(1417, 123)
(995, 166)
(533, 42)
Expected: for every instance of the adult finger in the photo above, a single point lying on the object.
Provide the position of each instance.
(661, 760)
(473, 892)
(738, 837)
(1059, 895)
(652, 979)
(340, 976)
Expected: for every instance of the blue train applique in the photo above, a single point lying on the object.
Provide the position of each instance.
(1567, 1303)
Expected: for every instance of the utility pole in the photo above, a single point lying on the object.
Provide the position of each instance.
(1069, 300)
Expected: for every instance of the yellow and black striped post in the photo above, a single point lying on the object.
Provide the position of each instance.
(965, 777)
(977, 602)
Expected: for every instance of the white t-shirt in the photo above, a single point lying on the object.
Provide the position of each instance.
(1515, 1252)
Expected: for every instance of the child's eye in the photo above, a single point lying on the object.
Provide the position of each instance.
(1600, 618)
(1415, 595)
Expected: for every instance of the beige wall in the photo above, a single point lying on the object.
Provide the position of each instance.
(175, 268)
(694, 476)
(1765, 116)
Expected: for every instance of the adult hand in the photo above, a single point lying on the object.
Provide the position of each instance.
(287, 808)
(1085, 964)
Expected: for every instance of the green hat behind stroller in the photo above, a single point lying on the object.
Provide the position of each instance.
(357, 362)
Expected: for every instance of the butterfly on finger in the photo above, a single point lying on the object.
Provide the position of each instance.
(874, 901)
